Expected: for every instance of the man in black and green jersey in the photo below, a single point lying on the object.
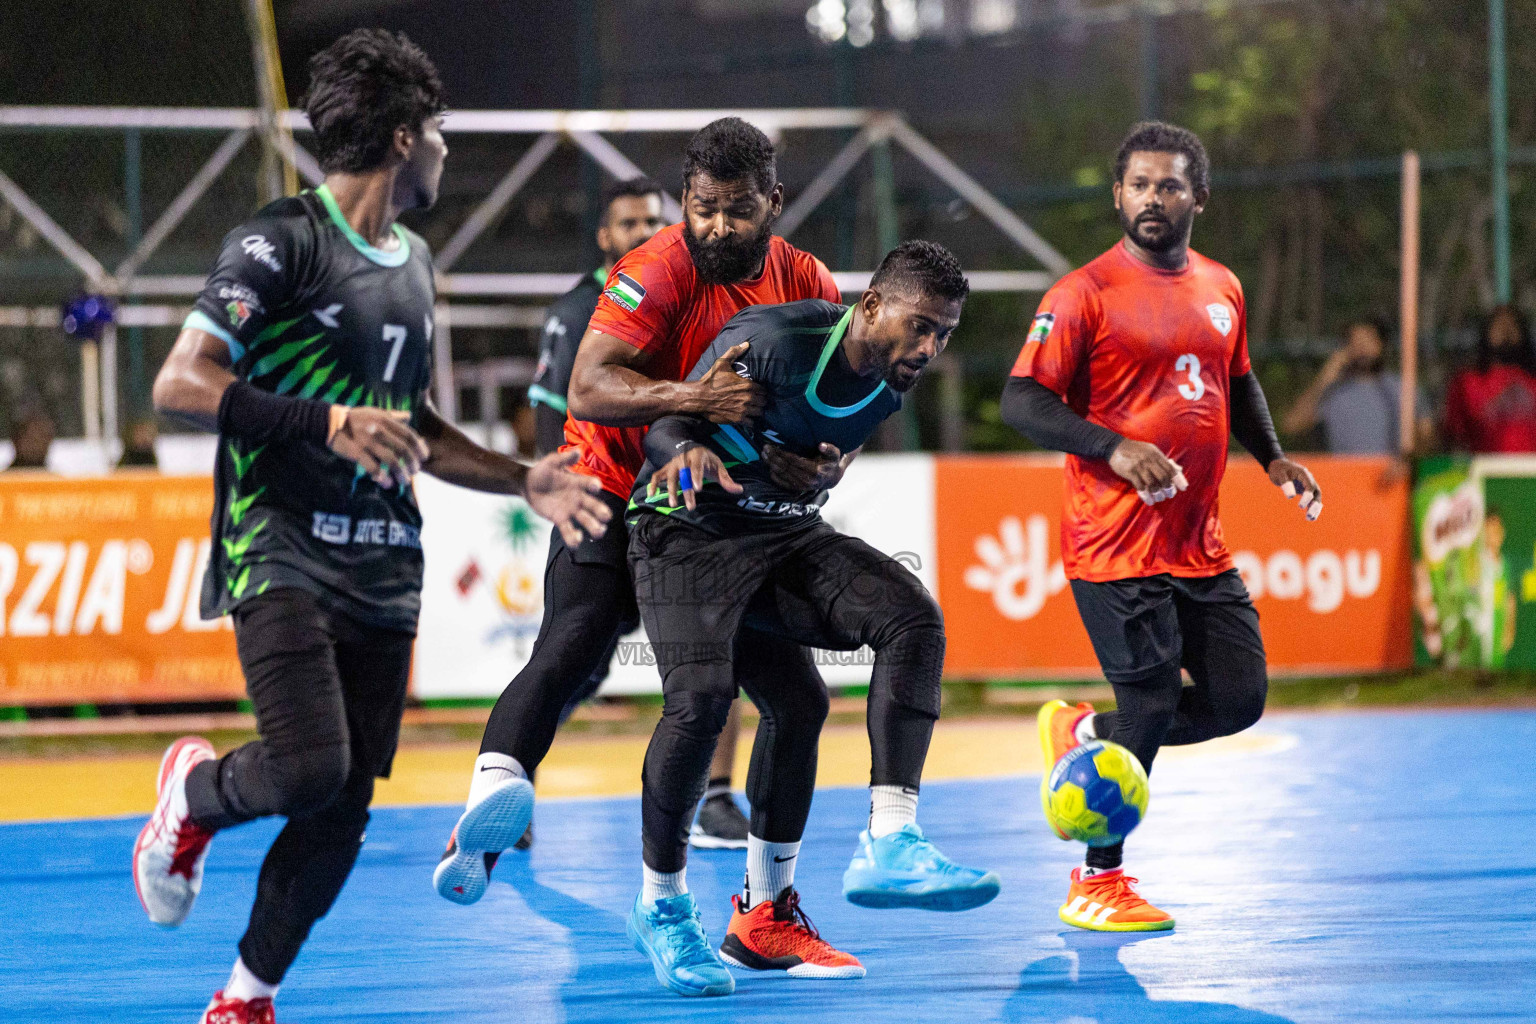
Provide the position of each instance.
(631, 213)
(740, 549)
(310, 352)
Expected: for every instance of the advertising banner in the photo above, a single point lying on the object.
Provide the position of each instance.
(1474, 587)
(99, 582)
(1332, 594)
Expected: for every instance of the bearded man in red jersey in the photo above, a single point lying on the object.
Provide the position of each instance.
(1136, 366)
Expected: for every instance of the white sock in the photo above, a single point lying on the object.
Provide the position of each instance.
(245, 985)
(891, 807)
(659, 885)
(770, 869)
(1084, 731)
(491, 770)
(710, 792)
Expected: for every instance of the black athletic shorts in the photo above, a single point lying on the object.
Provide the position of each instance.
(1137, 625)
(612, 548)
(697, 589)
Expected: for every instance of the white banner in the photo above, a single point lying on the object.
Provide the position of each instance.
(483, 596)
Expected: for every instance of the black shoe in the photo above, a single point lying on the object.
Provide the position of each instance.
(525, 841)
(720, 825)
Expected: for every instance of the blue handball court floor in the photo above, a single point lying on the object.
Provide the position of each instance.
(1355, 867)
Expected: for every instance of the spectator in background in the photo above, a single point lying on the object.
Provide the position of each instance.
(139, 444)
(1356, 398)
(1491, 405)
(31, 435)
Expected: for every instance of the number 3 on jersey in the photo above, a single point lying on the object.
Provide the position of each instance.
(1195, 389)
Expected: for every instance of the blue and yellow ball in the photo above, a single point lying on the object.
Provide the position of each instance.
(1096, 793)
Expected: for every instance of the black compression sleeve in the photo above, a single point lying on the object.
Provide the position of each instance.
(1251, 424)
(671, 435)
(256, 415)
(1038, 413)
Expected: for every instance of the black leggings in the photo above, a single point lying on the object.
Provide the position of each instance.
(328, 694)
(743, 610)
(589, 604)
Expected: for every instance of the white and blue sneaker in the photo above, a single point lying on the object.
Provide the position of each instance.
(672, 935)
(904, 869)
(483, 832)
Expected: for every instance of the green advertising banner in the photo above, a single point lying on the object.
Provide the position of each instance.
(1474, 567)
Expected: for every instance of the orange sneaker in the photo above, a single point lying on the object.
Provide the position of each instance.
(777, 936)
(1107, 902)
(1058, 728)
(1058, 734)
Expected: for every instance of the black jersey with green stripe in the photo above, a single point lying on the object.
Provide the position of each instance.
(558, 341)
(309, 309)
(812, 397)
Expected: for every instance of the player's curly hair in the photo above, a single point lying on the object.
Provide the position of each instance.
(361, 88)
(920, 267)
(1162, 137)
(730, 149)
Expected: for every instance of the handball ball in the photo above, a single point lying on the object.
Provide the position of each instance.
(1096, 793)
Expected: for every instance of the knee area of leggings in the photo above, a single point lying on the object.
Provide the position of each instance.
(1245, 705)
(697, 710)
(310, 781)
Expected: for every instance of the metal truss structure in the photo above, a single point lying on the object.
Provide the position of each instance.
(586, 129)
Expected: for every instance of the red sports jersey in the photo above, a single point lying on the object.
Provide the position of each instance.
(1492, 410)
(656, 302)
(1147, 353)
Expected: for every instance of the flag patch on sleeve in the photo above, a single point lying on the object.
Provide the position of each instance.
(626, 291)
(1040, 329)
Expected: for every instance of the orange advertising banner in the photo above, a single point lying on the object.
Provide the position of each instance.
(1332, 595)
(99, 585)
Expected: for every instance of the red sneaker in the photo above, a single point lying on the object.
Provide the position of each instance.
(1107, 902)
(238, 1011)
(777, 936)
(168, 855)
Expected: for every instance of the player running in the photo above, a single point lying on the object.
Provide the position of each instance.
(741, 552)
(310, 352)
(631, 214)
(1148, 346)
(665, 302)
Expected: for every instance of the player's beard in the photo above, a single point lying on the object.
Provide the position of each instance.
(1176, 235)
(730, 259)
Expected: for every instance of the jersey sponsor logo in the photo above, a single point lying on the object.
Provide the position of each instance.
(1040, 328)
(327, 315)
(259, 249)
(239, 312)
(1221, 318)
(336, 528)
(626, 291)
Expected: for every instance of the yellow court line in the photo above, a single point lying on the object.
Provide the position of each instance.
(52, 788)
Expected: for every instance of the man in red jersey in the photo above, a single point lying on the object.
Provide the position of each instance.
(664, 303)
(1136, 366)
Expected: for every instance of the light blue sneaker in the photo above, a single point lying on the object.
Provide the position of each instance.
(482, 833)
(672, 935)
(903, 869)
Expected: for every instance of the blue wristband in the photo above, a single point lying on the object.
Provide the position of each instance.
(685, 479)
